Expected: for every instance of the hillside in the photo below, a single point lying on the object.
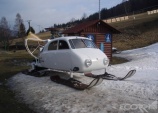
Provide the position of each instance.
(138, 32)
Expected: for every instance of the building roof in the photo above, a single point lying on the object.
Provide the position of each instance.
(80, 27)
(52, 29)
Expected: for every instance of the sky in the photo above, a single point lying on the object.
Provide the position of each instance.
(46, 13)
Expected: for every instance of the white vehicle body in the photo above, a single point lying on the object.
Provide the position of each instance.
(84, 58)
(71, 54)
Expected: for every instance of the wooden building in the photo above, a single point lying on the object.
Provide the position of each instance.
(99, 31)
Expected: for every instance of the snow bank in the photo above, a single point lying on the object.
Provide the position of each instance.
(137, 94)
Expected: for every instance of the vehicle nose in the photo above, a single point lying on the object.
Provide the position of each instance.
(95, 59)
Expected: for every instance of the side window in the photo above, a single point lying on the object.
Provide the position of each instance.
(72, 45)
(63, 45)
(53, 45)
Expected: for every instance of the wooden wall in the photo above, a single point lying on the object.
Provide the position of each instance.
(100, 38)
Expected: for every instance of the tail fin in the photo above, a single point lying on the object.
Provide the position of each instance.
(33, 37)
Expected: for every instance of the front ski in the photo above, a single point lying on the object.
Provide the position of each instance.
(73, 83)
(128, 75)
(108, 76)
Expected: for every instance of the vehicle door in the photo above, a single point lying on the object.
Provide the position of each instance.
(63, 58)
(49, 56)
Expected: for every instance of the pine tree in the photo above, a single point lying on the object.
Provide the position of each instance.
(5, 33)
(19, 26)
(22, 31)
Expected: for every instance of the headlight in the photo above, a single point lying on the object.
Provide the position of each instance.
(88, 62)
(106, 61)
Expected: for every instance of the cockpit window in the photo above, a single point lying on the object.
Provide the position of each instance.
(78, 43)
(63, 45)
(81, 43)
(89, 43)
(53, 45)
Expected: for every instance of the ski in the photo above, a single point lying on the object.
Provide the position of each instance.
(95, 82)
(108, 76)
(128, 75)
(76, 84)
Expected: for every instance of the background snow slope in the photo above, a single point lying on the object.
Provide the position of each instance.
(137, 94)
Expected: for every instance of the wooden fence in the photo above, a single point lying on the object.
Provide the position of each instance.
(116, 19)
(152, 12)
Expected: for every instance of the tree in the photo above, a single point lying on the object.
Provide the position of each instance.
(19, 26)
(5, 33)
(55, 25)
(84, 16)
(72, 20)
(22, 31)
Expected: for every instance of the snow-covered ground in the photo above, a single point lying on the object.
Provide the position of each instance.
(138, 94)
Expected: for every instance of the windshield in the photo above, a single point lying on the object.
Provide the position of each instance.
(81, 43)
